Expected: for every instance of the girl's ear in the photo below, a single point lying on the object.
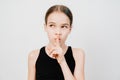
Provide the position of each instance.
(70, 29)
(45, 27)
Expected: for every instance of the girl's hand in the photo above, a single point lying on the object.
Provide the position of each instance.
(57, 51)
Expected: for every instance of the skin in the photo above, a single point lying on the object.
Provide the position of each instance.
(58, 28)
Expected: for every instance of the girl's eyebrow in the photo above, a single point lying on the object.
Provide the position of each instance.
(51, 22)
(65, 24)
(61, 24)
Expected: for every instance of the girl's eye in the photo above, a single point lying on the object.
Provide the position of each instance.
(51, 25)
(64, 26)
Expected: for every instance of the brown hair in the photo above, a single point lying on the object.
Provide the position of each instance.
(60, 8)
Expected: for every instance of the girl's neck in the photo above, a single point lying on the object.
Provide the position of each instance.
(49, 46)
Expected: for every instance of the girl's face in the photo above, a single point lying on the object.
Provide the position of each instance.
(57, 26)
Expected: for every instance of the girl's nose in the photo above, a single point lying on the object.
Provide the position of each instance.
(58, 31)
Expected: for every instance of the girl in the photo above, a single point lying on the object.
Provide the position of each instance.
(56, 60)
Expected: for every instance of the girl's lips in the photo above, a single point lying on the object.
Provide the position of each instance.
(57, 38)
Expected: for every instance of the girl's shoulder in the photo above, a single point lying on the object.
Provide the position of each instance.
(33, 53)
(78, 53)
(32, 56)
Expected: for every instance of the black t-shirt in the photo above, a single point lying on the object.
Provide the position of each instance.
(48, 68)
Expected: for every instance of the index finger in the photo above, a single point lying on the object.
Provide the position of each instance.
(57, 42)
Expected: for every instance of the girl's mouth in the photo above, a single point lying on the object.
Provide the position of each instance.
(58, 39)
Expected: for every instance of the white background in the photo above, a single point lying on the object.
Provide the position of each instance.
(96, 29)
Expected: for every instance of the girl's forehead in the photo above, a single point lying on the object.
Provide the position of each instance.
(58, 17)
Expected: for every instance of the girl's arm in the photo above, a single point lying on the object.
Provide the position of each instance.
(79, 67)
(78, 55)
(32, 57)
